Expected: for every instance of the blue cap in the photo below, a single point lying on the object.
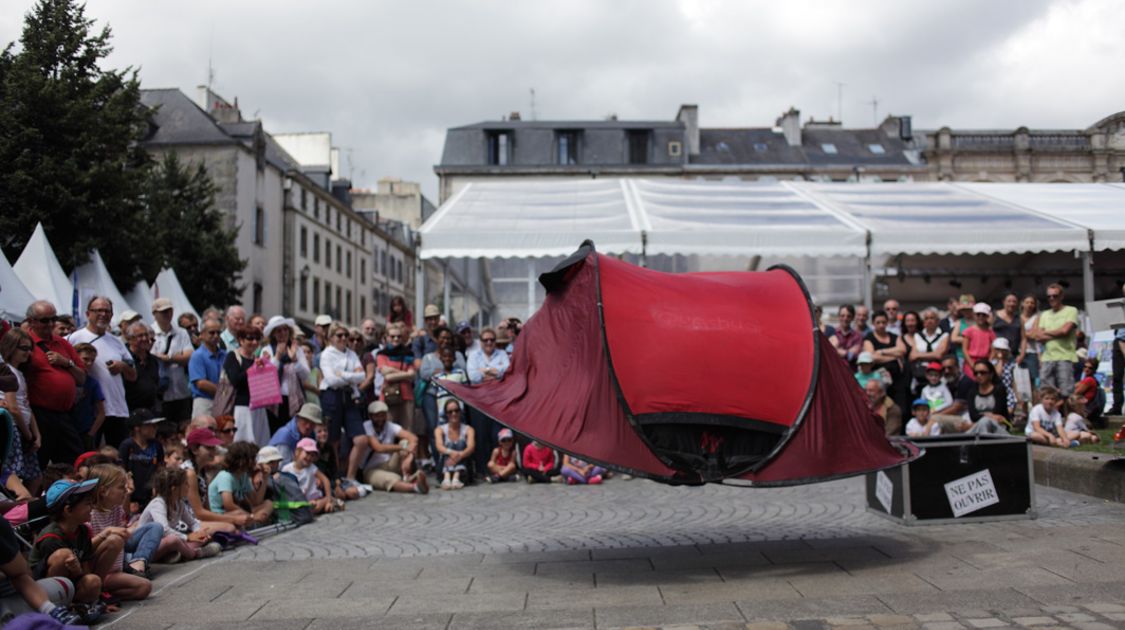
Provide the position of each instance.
(463, 325)
(62, 489)
(920, 402)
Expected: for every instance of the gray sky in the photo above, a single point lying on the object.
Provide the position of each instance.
(387, 78)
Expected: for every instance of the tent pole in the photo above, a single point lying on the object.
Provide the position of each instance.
(644, 249)
(530, 289)
(445, 293)
(1088, 276)
(419, 278)
(867, 275)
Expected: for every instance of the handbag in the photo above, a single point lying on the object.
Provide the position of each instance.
(222, 404)
(394, 393)
(265, 390)
(296, 391)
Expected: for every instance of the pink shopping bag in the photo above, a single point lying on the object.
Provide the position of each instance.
(265, 390)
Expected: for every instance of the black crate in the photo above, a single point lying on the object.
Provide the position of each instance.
(918, 489)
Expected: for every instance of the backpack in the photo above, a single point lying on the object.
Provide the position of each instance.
(291, 505)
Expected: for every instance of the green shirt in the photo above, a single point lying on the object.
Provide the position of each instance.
(1060, 348)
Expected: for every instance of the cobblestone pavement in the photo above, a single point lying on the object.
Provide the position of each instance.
(633, 553)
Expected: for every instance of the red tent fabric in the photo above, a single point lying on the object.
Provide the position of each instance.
(685, 378)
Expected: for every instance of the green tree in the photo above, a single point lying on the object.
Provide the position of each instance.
(70, 152)
(192, 231)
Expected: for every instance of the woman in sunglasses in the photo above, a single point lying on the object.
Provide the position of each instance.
(341, 373)
(988, 400)
(252, 425)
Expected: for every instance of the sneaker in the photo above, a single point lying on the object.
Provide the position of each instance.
(570, 482)
(457, 484)
(90, 613)
(210, 550)
(422, 485)
(64, 616)
(595, 480)
(1075, 444)
(491, 478)
(367, 488)
(445, 485)
(172, 558)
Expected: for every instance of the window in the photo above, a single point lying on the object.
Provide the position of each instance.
(383, 263)
(349, 228)
(760, 147)
(316, 208)
(362, 306)
(304, 199)
(316, 248)
(675, 148)
(877, 149)
(567, 142)
(339, 229)
(327, 254)
(499, 147)
(828, 147)
(348, 268)
(638, 146)
(304, 242)
(339, 302)
(363, 270)
(328, 296)
(303, 293)
(259, 226)
(316, 295)
(257, 297)
(339, 260)
(348, 297)
(398, 265)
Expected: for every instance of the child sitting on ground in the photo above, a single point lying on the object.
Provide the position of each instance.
(48, 595)
(580, 472)
(502, 463)
(142, 454)
(131, 564)
(240, 488)
(317, 488)
(169, 508)
(539, 462)
(65, 549)
(1045, 423)
(922, 425)
(1077, 430)
(174, 456)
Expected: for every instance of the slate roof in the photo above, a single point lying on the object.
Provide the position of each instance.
(763, 146)
(178, 120)
(573, 124)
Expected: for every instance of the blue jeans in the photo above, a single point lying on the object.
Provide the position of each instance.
(143, 543)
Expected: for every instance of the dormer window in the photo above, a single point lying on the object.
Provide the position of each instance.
(828, 147)
(877, 149)
(567, 147)
(499, 148)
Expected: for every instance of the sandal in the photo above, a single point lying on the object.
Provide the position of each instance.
(146, 572)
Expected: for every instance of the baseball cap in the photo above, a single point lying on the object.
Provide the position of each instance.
(377, 406)
(311, 412)
(1002, 343)
(920, 402)
(270, 454)
(203, 437)
(505, 434)
(129, 316)
(966, 301)
(463, 325)
(63, 489)
(81, 459)
(933, 365)
(143, 416)
(865, 357)
(308, 445)
(323, 320)
(431, 311)
(161, 304)
(981, 307)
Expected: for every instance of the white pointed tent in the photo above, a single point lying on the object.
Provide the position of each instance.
(14, 297)
(42, 274)
(167, 285)
(93, 279)
(140, 298)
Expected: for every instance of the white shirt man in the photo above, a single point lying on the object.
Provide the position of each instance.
(172, 347)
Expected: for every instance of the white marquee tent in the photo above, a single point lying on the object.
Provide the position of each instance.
(14, 297)
(93, 279)
(140, 298)
(862, 221)
(167, 285)
(42, 274)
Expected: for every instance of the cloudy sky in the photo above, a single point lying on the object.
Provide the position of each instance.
(387, 78)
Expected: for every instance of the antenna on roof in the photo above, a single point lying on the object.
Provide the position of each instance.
(210, 57)
(874, 103)
(840, 102)
(534, 116)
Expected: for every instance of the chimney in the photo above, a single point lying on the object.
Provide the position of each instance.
(790, 123)
(689, 115)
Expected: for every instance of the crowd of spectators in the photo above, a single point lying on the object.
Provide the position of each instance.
(974, 369)
(134, 443)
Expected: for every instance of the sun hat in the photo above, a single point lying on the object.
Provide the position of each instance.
(278, 320)
(1002, 343)
(865, 357)
(161, 304)
(129, 316)
(431, 311)
(377, 406)
(981, 307)
(203, 437)
(307, 445)
(270, 454)
(311, 412)
(323, 320)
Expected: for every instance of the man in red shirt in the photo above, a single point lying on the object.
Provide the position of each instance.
(54, 373)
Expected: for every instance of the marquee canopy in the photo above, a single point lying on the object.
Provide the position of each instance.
(42, 274)
(14, 297)
(93, 279)
(673, 216)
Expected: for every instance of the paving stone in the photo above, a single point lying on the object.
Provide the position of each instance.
(273, 624)
(890, 620)
(1033, 621)
(291, 606)
(1093, 625)
(806, 608)
(1115, 616)
(1074, 617)
(943, 601)
(387, 622)
(1102, 607)
(767, 625)
(624, 565)
(927, 617)
(559, 619)
(728, 592)
(1061, 609)
(987, 623)
(942, 625)
(618, 616)
(473, 602)
(586, 598)
(847, 621)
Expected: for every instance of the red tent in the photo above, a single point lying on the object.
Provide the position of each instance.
(685, 378)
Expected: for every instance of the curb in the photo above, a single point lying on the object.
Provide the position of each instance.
(1099, 475)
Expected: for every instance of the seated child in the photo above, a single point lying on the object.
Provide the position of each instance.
(169, 508)
(539, 463)
(142, 542)
(577, 471)
(64, 548)
(49, 595)
(173, 456)
(1044, 422)
(240, 488)
(142, 454)
(502, 463)
(1077, 430)
(922, 425)
(317, 488)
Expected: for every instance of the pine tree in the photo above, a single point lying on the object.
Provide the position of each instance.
(70, 153)
(196, 241)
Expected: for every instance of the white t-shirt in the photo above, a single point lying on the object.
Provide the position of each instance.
(914, 428)
(938, 396)
(388, 435)
(306, 479)
(1076, 423)
(109, 348)
(1047, 421)
(178, 387)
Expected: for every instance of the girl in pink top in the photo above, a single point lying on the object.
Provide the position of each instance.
(977, 340)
